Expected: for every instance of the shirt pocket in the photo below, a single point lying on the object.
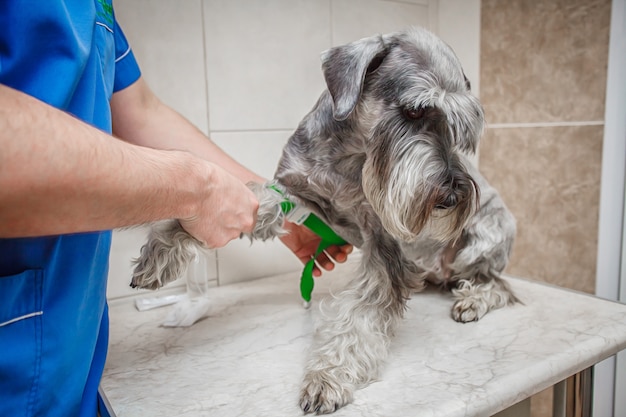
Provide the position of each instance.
(20, 341)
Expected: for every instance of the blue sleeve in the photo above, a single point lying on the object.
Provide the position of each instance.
(126, 68)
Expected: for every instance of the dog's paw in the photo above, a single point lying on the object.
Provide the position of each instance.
(165, 255)
(323, 394)
(145, 278)
(474, 301)
(470, 309)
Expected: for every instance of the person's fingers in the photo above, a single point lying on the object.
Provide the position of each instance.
(335, 253)
(327, 259)
(339, 253)
(325, 262)
(317, 272)
(255, 213)
(227, 209)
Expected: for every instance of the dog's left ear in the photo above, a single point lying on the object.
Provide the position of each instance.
(345, 68)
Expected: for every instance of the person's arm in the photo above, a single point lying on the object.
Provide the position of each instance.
(141, 118)
(60, 175)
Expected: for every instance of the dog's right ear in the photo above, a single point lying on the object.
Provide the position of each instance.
(345, 68)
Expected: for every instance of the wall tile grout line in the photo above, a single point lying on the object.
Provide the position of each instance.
(281, 129)
(205, 45)
(543, 124)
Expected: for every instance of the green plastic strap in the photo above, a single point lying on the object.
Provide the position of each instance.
(328, 238)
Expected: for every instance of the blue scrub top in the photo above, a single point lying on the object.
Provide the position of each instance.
(72, 55)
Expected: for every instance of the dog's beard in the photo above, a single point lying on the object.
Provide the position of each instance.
(417, 188)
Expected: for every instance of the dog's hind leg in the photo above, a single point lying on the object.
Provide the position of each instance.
(352, 341)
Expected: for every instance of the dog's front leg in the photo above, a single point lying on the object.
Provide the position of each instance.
(476, 269)
(271, 214)
(170, 249)
(352, 341)
(165, 256)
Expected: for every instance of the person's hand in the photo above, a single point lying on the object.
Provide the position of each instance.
(226, 209)
(303, 243)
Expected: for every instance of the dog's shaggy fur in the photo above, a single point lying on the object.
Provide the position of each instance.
(382, 158)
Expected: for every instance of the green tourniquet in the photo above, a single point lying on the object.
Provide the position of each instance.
(286, 206)
(328, 236)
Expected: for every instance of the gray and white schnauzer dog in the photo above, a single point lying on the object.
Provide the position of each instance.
(382, 159)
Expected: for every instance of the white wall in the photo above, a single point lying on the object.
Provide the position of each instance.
(610, 375)
(246, 71)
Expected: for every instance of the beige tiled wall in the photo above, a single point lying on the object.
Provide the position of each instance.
(543, 75)
(544, 61)
(245, 72)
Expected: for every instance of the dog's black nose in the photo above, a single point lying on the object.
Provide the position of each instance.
(449, 201)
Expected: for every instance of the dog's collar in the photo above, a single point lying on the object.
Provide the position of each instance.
(317, 226)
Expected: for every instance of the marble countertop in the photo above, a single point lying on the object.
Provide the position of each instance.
(246, 359)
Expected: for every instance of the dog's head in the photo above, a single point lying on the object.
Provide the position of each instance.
(411, 97)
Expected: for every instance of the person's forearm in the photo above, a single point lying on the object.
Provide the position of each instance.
(60, 175)
(140, 118)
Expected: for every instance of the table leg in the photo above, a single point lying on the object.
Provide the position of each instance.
(573, 396)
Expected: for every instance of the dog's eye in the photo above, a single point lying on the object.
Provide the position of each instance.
(413, 113)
